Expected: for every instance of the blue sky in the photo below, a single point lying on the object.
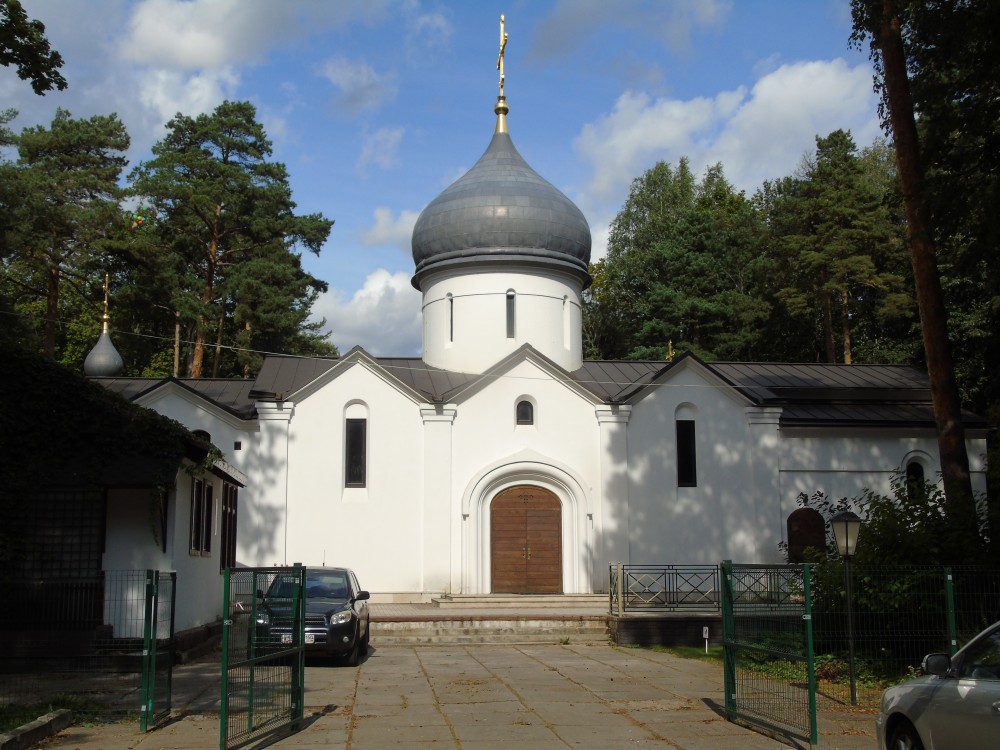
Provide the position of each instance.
(376, 106)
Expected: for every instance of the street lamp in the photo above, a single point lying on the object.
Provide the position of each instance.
(846, 526)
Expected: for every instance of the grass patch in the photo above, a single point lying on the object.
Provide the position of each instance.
(15, 715)
(714, 654)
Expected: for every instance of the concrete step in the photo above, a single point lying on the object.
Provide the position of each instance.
(523, 601)
(578, 629)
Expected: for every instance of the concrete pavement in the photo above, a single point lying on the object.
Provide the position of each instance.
(481, 697)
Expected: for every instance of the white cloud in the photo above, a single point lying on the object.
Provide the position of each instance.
(361, 86)
(390, 231)
(383, 317)
(381, 148)
(757, 134)
(195, 34)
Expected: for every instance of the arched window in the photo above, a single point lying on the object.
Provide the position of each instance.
(525, 412)
(511, 314)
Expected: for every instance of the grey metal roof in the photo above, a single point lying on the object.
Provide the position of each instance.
(229, 394)
(501, 210)
(810, 395)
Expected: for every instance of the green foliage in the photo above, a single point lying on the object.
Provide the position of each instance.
(838, 246)
(61, 203)
(23, 45)
(683, 267)
(221, 240)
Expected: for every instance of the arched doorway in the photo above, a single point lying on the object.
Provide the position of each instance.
(526, 541)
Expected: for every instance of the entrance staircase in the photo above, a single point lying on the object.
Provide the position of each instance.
(451, 620)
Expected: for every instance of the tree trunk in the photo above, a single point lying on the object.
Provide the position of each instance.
(923, 253)
(845, 324)
(51, 311)
(217, 361)
(826, 308)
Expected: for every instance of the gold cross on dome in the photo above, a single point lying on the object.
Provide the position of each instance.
(503, 46)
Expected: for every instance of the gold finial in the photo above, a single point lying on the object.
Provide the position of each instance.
(501, 109)
(503, 46)
(106, 317)
(670, 350)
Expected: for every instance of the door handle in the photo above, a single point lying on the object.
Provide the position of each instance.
(529, 553)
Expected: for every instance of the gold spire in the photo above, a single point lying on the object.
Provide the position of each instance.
(501, 109)
(105, 318)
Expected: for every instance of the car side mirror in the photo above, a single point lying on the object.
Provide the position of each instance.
(362, 595)
(936, 664)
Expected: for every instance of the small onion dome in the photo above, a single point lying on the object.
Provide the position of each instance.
(501, 212)
(103, 361)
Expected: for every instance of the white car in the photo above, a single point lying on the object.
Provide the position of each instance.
(954, 706)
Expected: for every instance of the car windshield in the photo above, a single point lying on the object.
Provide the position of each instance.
(326, 585)
(319, 585)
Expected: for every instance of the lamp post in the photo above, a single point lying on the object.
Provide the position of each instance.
(846, 526)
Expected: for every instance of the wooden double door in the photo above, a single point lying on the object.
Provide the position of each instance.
(526, 541)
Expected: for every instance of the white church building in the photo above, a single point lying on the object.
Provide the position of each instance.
(501, 461)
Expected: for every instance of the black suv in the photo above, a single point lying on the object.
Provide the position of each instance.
(337, 621)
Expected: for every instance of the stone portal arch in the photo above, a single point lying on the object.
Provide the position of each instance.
(576, 524)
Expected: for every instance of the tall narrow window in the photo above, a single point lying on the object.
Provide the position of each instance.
(915, 480)
(687, 465)
(197, 504)
(355, 454)
(201, 518)
(227, 523)
(511, 317)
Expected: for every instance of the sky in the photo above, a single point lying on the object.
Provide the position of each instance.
(376, 106)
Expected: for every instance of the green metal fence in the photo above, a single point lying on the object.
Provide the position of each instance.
(898, 616)
(107, 639)
(263, 666)
(767, 632)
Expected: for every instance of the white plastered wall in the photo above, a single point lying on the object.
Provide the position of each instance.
(492, 452)
(465, 317)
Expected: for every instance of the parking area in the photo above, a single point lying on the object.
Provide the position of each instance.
(481, 696)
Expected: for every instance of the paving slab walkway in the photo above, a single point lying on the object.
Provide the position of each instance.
(481, 697)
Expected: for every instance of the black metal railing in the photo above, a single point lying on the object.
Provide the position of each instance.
(663, 588)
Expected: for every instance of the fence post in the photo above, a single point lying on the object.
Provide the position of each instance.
(810, 655)
(949, 596)
(621, 574)
(728, 640)
(148, 651)
(227, 622)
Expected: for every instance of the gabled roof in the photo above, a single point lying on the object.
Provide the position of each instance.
(810, 395)
(231, 395)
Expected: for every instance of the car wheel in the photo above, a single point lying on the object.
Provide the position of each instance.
(352, 657)
(367, 638)
(904, 737)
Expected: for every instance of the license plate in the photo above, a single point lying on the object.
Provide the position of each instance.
(310, 638)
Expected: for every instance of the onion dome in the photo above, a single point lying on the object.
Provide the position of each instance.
(104, 361)
(501, 212)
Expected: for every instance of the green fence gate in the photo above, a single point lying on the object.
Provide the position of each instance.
(263, 670)
(770, 678)
(157, 648)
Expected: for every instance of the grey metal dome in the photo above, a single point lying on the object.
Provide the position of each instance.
(103, 361)
(501, 211)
